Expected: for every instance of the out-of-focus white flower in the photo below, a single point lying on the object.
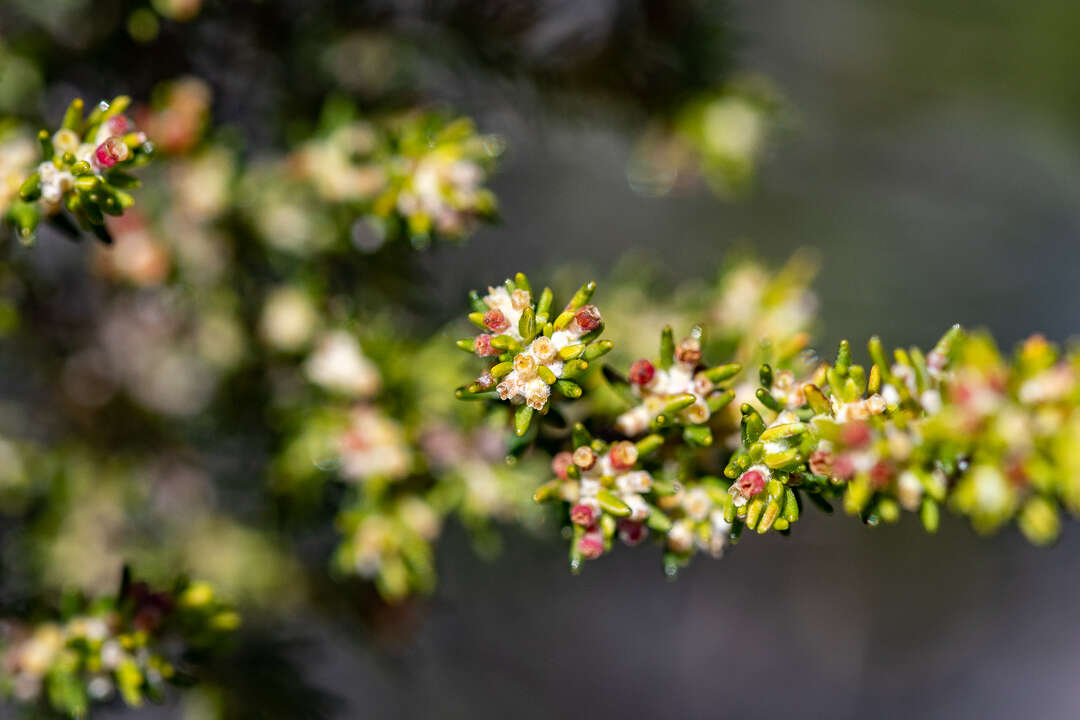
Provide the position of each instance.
(288, 320)
(373, 445)
(339, 365)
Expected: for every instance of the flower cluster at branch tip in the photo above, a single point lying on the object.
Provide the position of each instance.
(606, 491)
(390, 543)
(678, 391)
(83, 170)
(531, 351)
(111, 646)
(415, 175)
(436, 178)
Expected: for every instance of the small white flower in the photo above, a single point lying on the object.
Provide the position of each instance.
(339, 365)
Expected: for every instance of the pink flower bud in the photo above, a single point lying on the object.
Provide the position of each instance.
(821, 462)
(623, 455)
(642, 372)
(118, 125)
(855, 434)
(495, 321)
(111, 151)
(588, 318)
(581, 515)
(591, 544)
(482, 346)
(560, 463)
(750, 483)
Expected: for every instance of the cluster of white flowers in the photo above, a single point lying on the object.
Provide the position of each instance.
(445, 187)
(109, 145)
(526, 381)
(681, 383)
(703, 524)
(532, 352)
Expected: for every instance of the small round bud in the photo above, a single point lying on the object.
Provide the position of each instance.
(623, 455)
(587, 318)
(591, 544)
(520, 299)
(642, 372)
(495, 321)
(524, 365)
(482, 346)
(543, 349)
(582, 515)
(688, 351)
(112, 151)
(750, 483)
(560, 463)
(584, 457)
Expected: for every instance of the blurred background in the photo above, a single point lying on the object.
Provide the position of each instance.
(928, 150)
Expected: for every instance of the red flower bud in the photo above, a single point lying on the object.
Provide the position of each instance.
(588, 318)
(111, 151)
(581, 515)
(750, 483)
(632, 533)
(495, 321)
(642, 372)
(623, 455)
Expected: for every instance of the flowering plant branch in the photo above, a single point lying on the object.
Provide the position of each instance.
(83, 170)
(701, 454)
